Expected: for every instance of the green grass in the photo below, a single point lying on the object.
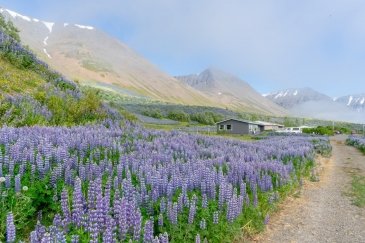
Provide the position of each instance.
(15, 80)
(358, 190)
(244, 137)
(166, 127)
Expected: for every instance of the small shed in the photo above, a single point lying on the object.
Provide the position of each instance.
(236, 126)
(268, 126)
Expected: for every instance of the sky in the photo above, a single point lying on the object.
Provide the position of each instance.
(272, 44)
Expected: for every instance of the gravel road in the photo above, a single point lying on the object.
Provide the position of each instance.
(322, 212)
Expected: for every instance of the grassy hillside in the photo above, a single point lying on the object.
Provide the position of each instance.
(31, 93)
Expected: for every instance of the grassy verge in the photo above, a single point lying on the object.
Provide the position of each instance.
(166, 127)
(244, 137)
(358, 190)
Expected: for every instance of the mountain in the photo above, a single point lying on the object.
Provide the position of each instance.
(290, 98)
(230, 91)
(356, 102)
(306, 102)
(90, 56)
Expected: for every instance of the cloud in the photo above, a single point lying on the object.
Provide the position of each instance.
(328, 110)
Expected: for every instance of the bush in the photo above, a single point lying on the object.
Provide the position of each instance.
(179, 116)
(320, 130)
(155, 113)
(9, 28)
(206, 118)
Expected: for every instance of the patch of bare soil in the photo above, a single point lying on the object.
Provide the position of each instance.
(322, 212)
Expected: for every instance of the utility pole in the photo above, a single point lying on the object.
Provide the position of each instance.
(363, 130)
(333, 127)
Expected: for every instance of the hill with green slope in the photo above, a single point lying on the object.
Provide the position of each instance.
(33, 94)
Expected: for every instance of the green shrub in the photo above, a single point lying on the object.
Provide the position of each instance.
(206, 118)
(9, 28)
(320, 130)
(178, 116)
(155, 113)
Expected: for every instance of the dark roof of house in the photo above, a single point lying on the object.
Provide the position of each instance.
(244, 121)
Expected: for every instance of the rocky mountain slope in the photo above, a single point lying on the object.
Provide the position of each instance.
(356, 102)
(292, 97)
(89, 55)
(307, 102)
(230, 90)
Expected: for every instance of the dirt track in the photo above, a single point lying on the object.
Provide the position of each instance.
(322, 213)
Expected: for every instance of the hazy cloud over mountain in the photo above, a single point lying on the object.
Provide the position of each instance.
(272, 44)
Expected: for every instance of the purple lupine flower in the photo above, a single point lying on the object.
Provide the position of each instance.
(197, 238)
(77, 204)
(148, 231)
(10, 228)
(74, 239)
(174, 213)
(137, 224)
(108, 235)
(122, 221)
(164, 238)
(203, 224)
(267, 218)
(162, 205)
(34, 237)
(192, 212)
(93, 226)
(204, 201)
(40, 230)
(65, 205)
(46, 238)
(160, 220)
(216, 217)
(7, 181)
(17, 183)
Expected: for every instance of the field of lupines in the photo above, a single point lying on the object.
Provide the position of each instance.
(357, 141)
(122, 183)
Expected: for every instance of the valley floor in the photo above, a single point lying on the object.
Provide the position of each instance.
(323, 212)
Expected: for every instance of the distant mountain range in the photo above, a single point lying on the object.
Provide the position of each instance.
(94, 58)
(356, 102)
(310, 103)
(290, 98)
(230, 90)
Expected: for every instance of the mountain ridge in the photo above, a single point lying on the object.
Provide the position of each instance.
(354, 101)
(307, 102)
(228, 88)
(89, 55)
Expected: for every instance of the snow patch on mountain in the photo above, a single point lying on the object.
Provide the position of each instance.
(65, 24)
(15, 15)
(49, 25)
(45, 52)
(350, 100)
(45, 41)
(84, 27)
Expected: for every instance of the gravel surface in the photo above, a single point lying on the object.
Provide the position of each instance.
(322, 212)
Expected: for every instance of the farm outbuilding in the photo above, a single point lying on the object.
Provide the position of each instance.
(235, 126)
(268, 126)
